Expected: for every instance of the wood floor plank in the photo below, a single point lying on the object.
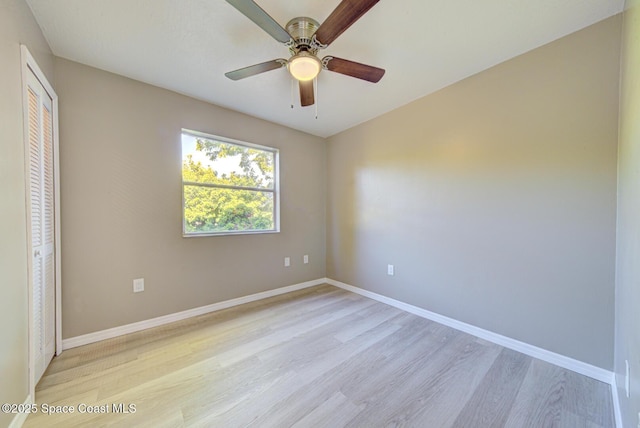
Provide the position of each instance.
(589, 399)
(276, 400)
(432, 389)
(493, 399)
(367, 318)
(437, 398)
(302, 324)
(404, 351)
(539, 400)
(335, 412)
(319, 357)
(571, 420)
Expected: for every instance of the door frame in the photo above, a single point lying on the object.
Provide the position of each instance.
(29, 65)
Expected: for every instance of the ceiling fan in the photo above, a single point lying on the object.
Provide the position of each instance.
(304, 37)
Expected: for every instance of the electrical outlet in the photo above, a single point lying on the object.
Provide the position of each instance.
(390, 270)
(287, 262)
(138, 285)
(305, 259)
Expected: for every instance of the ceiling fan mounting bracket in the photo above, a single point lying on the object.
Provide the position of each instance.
(302, 30)
(316, 44)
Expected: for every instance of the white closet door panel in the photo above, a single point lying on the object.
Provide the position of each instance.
(47, 164)
(35, 167)
(42, 213)
(49, 315)
(38, 320)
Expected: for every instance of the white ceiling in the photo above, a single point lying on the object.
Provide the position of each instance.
(187, 46)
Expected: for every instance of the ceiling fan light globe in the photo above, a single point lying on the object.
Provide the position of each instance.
(304, 67)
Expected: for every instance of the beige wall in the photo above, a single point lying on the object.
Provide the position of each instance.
(627, 337)
(120, 154)
(494, 198)
(17, 26)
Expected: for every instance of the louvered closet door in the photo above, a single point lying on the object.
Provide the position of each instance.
(41, 201)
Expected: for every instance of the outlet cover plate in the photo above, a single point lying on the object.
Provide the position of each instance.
(138, 285)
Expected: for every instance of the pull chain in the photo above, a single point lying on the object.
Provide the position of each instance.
(293, 82)
(315, 88)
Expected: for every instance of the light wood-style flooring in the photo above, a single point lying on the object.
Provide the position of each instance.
(319, 357)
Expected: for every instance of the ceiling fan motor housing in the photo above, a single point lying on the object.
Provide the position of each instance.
(302, 30)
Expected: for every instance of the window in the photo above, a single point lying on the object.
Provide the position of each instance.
(228, 187)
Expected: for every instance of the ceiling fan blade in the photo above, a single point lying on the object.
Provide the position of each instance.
(261, 18)
(252, 70)
(353, 69)
(306, 93)
(343, 17)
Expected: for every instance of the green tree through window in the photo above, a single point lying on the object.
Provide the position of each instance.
(228, 187)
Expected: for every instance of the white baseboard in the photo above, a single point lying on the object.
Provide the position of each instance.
(97, 336)
(533, 351)
(20, 418)
(525, 348)
(616, 401)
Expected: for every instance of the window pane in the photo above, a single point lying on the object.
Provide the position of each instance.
(223, 182)
(214, 210)
(217, 162)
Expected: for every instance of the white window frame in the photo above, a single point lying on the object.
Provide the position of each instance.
(275, 191)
